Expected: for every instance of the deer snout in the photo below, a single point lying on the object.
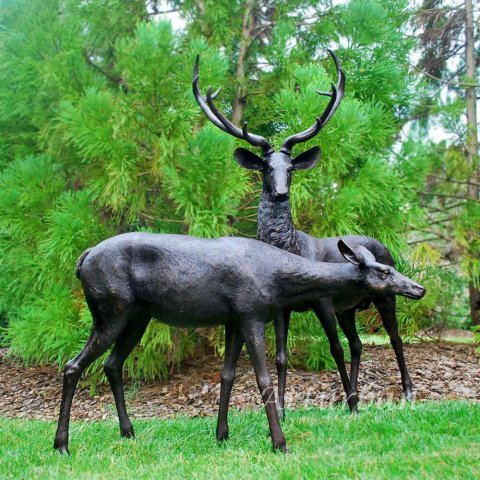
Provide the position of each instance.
(416, 291)
(421, 290)
(281, 193)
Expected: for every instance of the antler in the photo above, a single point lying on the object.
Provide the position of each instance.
(335, 98)
(216, 117)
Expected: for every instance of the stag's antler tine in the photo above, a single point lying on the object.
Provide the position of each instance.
(335, 59)
(215, 94)
(196, 76)
(195, 66)
(340, 89)
(227, 124)
(327, 114)
(245, 129)
(325, 94)
(201, 100)
(216, 117)
(230, 127)
(335, 99)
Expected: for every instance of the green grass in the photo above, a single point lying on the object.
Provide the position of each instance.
(426, 440)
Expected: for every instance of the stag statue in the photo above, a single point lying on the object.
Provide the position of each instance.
(186, 281)
(275, 226)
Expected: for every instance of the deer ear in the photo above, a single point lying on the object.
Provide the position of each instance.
(359, 256)
(247, 159)
(367, 255)
(347, 253)
(306, 159)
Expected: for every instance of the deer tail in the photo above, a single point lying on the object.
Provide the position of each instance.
(80, 262)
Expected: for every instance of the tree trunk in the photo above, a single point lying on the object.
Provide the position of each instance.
(472, 136)
(205, 28)
(239, 101)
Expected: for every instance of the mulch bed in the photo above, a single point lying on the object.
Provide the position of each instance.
(440, 371)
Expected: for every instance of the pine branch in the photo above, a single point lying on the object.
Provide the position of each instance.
(442, 220)
(446, 208)
(441, 80)
(424, 240)
(443, 195)
(162, 12)
(442, 9)
(451, 180)
(116, 80)
(434, 232)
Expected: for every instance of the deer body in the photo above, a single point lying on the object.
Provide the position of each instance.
(191, 282)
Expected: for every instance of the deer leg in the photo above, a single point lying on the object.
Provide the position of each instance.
(113, 367)
(387, 309)
(281, 332)
(233, 347)
(99, 341)
(326, 314)
(347, 324)
(254, 336)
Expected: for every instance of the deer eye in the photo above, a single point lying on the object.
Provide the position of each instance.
(384, 273)
(270, 168)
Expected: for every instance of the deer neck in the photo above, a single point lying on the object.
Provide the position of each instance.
(305, 280)
(275, 224)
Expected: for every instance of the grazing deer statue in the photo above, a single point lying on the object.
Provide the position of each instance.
(275, 226)
(186, 281)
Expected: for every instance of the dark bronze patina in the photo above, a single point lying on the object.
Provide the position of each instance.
(185, 281)
(275, 226)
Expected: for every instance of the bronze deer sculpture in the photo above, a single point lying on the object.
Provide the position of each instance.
(275, 226)
(186, 281)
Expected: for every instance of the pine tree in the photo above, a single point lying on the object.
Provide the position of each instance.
(101, 135)
(450, 197)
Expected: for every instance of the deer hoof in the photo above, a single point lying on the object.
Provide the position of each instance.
(127, 432)
(281, 448)
(222, 436)
(62, 449)
(352, 401)
(284, 449)
(281, 414)
(409, 396)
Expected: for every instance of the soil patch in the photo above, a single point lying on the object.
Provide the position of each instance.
(440, 371)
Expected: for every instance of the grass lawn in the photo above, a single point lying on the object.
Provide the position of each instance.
(426, 440)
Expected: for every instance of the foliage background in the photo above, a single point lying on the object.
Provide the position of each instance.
(100, 134)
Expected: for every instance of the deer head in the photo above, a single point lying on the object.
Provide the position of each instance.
(380, 279)
(276, 167)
